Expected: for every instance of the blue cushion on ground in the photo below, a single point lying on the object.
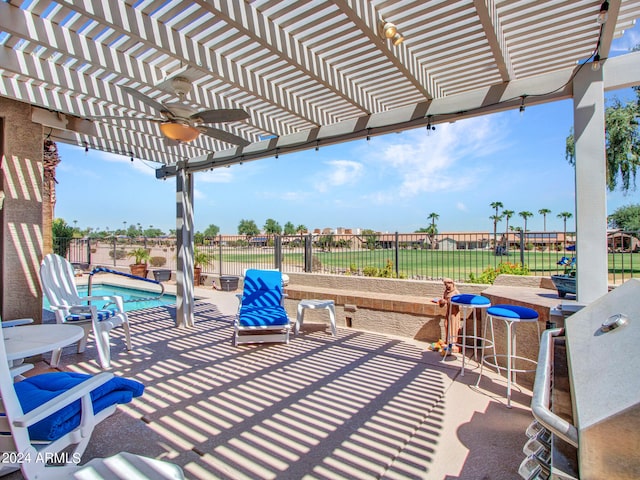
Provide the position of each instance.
(469, 299)
(263, 316)
(34, 391)
(512, 311)
(102, 315)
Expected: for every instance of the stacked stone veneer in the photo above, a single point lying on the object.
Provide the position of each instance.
(22, 215)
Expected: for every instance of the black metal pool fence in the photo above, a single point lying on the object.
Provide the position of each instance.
(474, 256)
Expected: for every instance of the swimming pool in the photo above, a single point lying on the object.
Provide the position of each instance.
(126, 293)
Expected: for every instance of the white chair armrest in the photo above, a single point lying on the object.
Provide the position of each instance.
(56, 403)
(117, 299)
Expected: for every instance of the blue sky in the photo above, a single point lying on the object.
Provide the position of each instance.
(390, 183)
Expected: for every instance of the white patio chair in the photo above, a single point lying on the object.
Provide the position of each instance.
(59, 422)
(59, 285)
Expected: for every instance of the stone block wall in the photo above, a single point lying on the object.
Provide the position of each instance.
(21, 214)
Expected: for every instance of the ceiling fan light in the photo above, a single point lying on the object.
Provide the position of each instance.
(397, 39)
(179, 132)
(389, 30)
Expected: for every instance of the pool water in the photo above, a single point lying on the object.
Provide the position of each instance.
(127, 294)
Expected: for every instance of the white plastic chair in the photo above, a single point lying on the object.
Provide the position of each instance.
(59, 285)
(21, 451)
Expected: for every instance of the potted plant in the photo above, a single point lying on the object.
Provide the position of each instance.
(139, 267)
(200, 259)
(566, 283)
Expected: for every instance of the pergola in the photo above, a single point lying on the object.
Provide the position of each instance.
(311, 73)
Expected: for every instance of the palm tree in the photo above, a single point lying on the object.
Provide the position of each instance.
(565, 216)
(525, 215)
(507, 215)
(496, 218)
(544, 212)
(432, 230)
(301, 229)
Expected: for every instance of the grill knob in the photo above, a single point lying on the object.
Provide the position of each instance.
(614, 321)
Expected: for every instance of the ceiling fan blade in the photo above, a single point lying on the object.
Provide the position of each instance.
(144, 99)
(221, 115)
(123, 117)
(224, 136)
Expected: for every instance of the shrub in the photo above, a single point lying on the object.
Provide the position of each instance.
(62, 235)
(490, 274)
(157, 261)
(316, 264)
(120, 253)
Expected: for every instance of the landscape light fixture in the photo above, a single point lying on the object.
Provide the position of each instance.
(86, 147)
(603, 15)
(180, 132)
(388, 31)
(595, 66)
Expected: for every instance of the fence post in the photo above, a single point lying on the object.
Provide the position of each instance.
(308, 253)
(89, 251)
(277, 252)
(522, 248)
(114, 250)
(220, 253)
(397, 260)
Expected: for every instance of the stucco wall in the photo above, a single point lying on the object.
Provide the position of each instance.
(21, 214)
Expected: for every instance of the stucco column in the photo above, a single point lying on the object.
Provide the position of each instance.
(184, 239)
(591, 185)
(21, 214)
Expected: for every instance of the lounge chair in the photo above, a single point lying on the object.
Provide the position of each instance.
(58, 282)
(51, 417)
(261, 315)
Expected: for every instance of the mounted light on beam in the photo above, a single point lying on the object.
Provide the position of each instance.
(389, 31)
(603, 15)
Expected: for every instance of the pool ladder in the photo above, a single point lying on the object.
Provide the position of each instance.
(128, 275)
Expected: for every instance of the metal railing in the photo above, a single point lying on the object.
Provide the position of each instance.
(461, 256)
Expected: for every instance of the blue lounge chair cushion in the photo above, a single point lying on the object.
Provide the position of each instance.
(102, 315)
(263, 316)
(512, 311)
(34, 391)
(468, 299)
(262, 288)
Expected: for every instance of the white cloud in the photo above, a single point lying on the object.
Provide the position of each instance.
(629, 40)
(440, 160)
(341, 172)
(218, 175)
(461, 206)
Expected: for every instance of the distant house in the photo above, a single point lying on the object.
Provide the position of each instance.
(622, 242)
(258, 241)
(447, 244)
(388, 240)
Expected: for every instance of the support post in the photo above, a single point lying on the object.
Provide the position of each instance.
(184, 238)
(591, 185)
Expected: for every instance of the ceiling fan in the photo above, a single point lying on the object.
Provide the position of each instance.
(182, 123)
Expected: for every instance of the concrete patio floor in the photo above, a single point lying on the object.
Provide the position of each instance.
(356, 406)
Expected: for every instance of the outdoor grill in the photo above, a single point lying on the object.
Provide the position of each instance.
(586, 397)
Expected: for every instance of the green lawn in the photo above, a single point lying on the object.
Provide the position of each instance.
(458, 264)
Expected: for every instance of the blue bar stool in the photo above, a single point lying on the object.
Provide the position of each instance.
(511, 315)
(468, 303)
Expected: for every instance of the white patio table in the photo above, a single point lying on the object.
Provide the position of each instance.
(29, 340)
